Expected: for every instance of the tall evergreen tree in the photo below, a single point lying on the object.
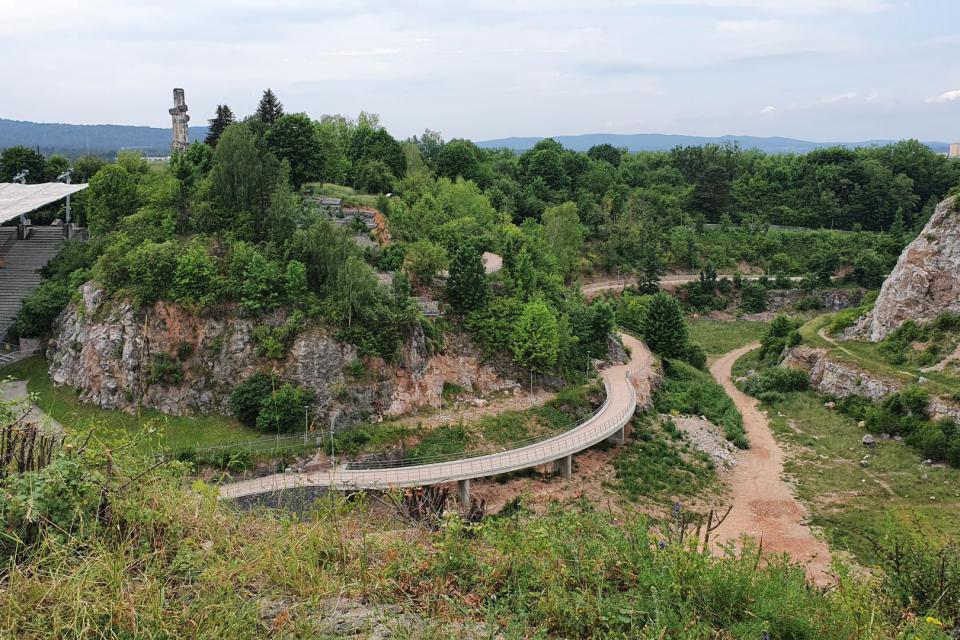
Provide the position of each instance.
(664, 328)
(218, 123)
(270, 108)
(467, 285)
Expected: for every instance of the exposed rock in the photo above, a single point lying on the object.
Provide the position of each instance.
(106, 349)
(868, 440)
(830, 299)
(925, 281)
(615, 351)
(841, 379)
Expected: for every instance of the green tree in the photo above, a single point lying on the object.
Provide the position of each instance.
(606, 152)
(664, 329)
(295, 283)
(374, 176)
(294, 138)
(243, 179)
(85, 167)
(248, 396)
(423, 261)
(467, 288)
(13, 160)
(285, 410)
(458, 159)
(270, 109)
(564, 235)
(218, 124)
(112, 195)
(535, 340)
(150, 265)
(352, 291)
(196, 280)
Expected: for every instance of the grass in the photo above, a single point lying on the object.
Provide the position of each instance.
(347, 194)
(658, 464)
(894, 493)
(175, 432)
(688, 390)
(486, 435)
(866, 355)
(718, 337)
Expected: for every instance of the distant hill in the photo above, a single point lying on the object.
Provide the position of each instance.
(106, 139)
(663, 142)
(96, 139)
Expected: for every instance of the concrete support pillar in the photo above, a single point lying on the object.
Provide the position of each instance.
(619, 437)
(564, 466)
(463, 492)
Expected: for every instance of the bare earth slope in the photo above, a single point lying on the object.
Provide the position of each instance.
(764, 506)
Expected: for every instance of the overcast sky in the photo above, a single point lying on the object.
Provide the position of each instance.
(813, 69)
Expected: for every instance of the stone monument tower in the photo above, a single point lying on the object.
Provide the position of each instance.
(181, 139)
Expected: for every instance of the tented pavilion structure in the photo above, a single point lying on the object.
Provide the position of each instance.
(20, 199)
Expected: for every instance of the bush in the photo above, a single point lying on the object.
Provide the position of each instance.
(165, 369)
(695, 355)
(753, 297)
(246, 398)
(284, 411)
(690, 391)
(41, 308)
(777, 379)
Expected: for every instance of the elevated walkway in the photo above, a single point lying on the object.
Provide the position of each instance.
(608, 422)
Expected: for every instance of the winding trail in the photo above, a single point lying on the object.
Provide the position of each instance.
(764, 506)
(608, 421)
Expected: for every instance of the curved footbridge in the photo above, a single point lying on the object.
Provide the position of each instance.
(622, 383)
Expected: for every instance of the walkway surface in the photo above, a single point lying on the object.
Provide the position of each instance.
(16, 391)
(764, 506)
(616, 411)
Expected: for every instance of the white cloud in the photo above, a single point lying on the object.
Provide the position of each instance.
(946, 96)
(768, 110)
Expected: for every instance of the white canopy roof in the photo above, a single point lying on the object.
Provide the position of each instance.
(17, 199)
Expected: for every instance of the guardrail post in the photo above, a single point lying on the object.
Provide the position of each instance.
(463, 492)
(564, 466)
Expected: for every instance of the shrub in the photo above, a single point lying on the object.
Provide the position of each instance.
(285, 410)
(688, 390)
(41, 308)
(150, 265)
(246, 398)
(165, 369)
(196, 280)
(779, 379)
(753, 297)
(695, 355)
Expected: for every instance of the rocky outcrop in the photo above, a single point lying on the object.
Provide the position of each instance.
(116, 356)
(829, 299)
(841, 379)
(925, 282)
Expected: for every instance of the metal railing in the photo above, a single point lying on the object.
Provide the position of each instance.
(535, 454)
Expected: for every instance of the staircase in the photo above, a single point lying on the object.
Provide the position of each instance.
(22, 260)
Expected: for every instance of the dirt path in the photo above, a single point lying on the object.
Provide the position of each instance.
(470, 413)
(764, 506)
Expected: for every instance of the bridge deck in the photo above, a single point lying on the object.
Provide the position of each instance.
(615, 412)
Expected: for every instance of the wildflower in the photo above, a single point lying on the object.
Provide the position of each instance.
(661, 545)
(934, 621)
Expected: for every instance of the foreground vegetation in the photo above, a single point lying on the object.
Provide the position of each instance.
(164, 562)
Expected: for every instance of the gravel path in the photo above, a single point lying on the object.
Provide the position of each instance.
(764, 506)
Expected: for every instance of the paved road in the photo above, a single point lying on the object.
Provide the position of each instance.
(667, 282)
(764, 506)
(15, 391)
(616, 411)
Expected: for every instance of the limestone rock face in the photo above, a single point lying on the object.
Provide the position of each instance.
(841, 379)
(925, 282)
(109, 351)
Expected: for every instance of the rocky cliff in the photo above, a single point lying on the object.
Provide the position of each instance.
(112, 354)
(925, 282)
(841, 379)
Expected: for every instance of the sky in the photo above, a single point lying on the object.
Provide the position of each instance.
(839, 70)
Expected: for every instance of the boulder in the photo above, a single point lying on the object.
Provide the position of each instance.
(868, 440)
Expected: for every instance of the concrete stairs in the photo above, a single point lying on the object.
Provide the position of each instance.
(22, 260)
